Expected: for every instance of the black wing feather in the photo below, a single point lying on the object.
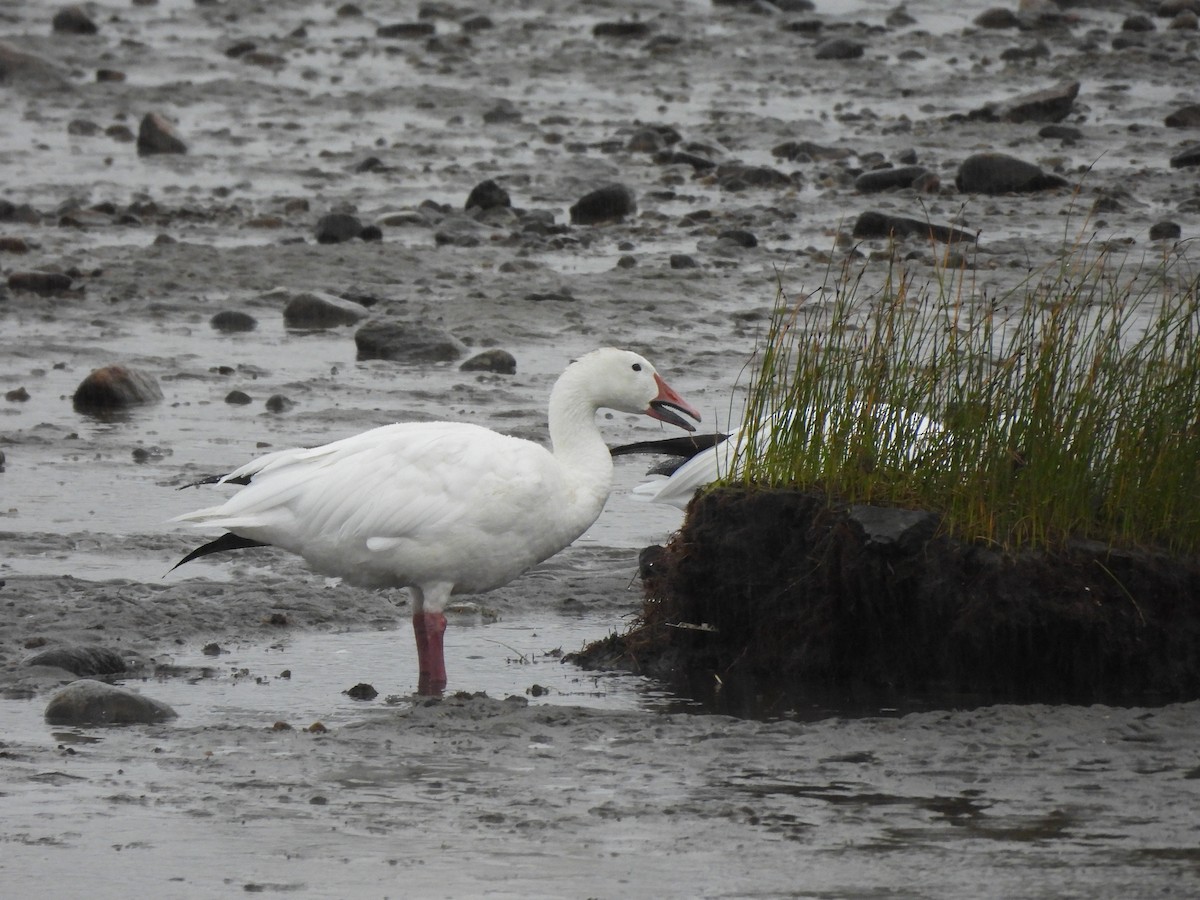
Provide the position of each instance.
(687, 445)
(227, 541)
(213, 479)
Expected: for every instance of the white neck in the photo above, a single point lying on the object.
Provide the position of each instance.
(577, 441)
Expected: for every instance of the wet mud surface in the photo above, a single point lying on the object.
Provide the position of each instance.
(594, 786)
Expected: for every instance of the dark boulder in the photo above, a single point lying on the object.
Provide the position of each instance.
(1184, 117)
(1189, 156)
(874, 224)
(998, 173)
(839, 48)
(157, 135)
(73, 20)
(80, 660)
(280, 403)
(409, 342)
(888, 179)
(47, 284)
(231, 321)
(406, 30)
(499, 361)
(1050, 105)
(633, 29)
(488, 195)
(1165, 231)
(336, 228)
(610, 203)
(29, 70)
(113, 388)
(740, 177)
(316, 311)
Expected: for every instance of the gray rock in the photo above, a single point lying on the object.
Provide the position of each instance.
(336, 228)
(997, 18)
(807, 151)
(409, 342)
(157, 135)
(73, 20)
(488, 195)
(1064, 133)
(740, 177)
(874, 224)
(499, 361)
(838, 48)
(739, 236)
(230, 321)
(95, 703)
(278, 403)
(19, 212)
(629, 29)
(321, 310)
(1165, 231)
(115, 387)
(406, 30)
(610, 203)
(888, 179)
(81, 661)
(1189, 156)
(505, 111)
(1184, 117)
(47, 284)
(998, 173)
(1050, 105)
(28, 69)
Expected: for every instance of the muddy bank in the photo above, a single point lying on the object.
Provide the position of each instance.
(782, 585)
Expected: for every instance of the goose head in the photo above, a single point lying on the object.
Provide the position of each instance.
(627, 382)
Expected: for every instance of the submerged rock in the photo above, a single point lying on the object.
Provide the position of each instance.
(95, 703)
(785, 585)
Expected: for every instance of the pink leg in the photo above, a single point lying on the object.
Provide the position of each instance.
(428, 628)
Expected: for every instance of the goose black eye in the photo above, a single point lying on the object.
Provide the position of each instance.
(637, 367)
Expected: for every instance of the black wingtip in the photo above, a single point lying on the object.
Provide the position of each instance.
(227, 541)
(685, 446)
(214, 479)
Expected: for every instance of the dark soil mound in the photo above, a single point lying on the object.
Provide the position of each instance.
(790, 587)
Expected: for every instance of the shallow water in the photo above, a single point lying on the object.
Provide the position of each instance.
(1000, 802)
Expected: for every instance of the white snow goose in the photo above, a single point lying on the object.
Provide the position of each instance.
(442, 508)
(705, 458)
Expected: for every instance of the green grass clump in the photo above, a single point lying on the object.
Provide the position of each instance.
(1066, 407)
